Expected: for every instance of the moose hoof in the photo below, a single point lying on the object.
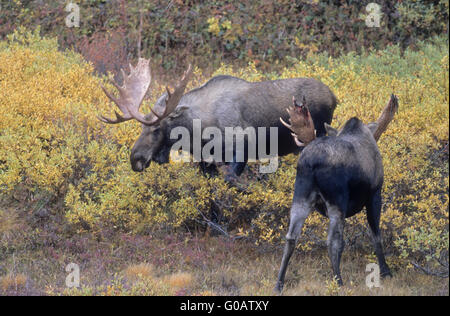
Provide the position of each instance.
(386, 274)
(278, 289)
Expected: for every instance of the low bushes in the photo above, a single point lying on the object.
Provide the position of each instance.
(52, 145)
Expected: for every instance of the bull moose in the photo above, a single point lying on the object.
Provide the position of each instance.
(223, 101)
(337, 175)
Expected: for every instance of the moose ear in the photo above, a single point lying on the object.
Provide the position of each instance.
(178, 111)
(330, 130)
(372, 127)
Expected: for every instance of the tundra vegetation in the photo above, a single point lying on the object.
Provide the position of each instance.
(68, 193)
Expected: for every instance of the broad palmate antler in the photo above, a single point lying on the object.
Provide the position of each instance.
(132, 93)
(301, 123)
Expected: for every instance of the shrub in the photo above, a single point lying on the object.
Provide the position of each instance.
(213, 31)
(52, 143)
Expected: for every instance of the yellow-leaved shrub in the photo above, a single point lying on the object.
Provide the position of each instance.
(52, 142)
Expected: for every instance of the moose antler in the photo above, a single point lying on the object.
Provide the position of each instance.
(173, 98)
(133, 91)
(301, 123)
(386, 116)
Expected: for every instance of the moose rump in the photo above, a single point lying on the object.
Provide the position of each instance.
(343, 178)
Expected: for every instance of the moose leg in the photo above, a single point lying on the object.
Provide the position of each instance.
(215, 214)
(208, 169)
(237, 167)
(335, 239)
(240, 161)
(299, 213)
(373, 217)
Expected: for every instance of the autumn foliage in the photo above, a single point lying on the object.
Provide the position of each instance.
(209, 32)
(53, 148)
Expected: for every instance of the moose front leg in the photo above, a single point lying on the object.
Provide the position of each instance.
(299, 213)
(236, 168)
(240, 158)
(208, 169)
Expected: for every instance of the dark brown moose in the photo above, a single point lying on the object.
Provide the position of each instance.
(338, 175)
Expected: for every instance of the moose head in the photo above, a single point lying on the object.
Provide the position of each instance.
(302, 125)
(131, 94)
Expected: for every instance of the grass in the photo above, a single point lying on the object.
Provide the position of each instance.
(138, 271)
(13, 282)
(125, 264)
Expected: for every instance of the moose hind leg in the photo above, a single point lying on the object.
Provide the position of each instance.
(299, 213)
(335, 241)
(238, 167)
(373, 217)
(208, 169)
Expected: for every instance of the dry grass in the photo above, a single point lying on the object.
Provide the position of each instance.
(216, 266)
(8, 221)
(138, 271)
(180, 280)
(13, 282)
(313, 277)
(310, 275)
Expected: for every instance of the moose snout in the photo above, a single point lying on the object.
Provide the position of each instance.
(138, 166)
(139, 163)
